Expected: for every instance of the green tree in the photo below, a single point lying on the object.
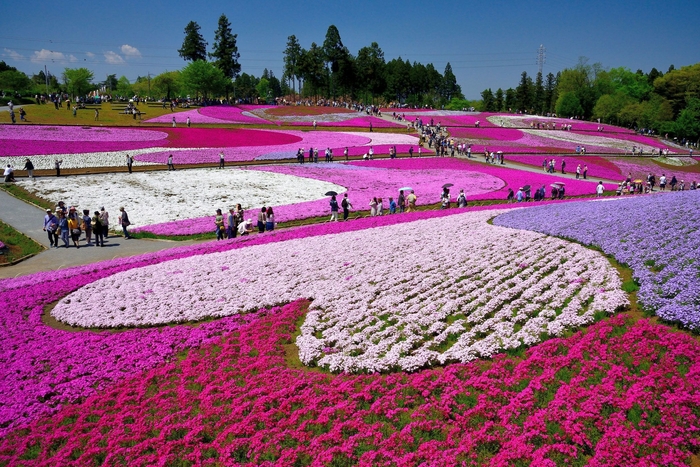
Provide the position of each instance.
(167, 84)
(677, 86)
(523, 93)
(292, 56)
(263, 89)
(78, 81)
(550, 93)
(569, 105)
(538, 103)
(111, 82)
(687, 124)
(510, 99)
(225, 51)
(246, 86)
(194, 48)
(313, 70)
(499, 100)
(488, 103)
(450, 88)
(609, 106)
(202, 77)
(14, 80)
(124, 87)
(371, 67)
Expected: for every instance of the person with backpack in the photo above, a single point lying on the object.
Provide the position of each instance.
(97, 229)
(345, 204)
(87, 226)
(461, 199)
(334, 209)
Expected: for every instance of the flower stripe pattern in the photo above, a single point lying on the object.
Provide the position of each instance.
(379, 308)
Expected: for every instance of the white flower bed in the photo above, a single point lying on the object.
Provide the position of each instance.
(86, 159)
(398, 297)
(163, 196)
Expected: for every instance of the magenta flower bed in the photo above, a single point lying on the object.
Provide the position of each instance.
(383, 178)
(489, 133)
(225, 137)
(576, 125)
(46, 140)
(233, 114)
(598, 167)
(617, 391)
(357, 122)
(182, 116)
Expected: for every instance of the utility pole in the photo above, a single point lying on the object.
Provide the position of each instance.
(541, 58)
(46, 78)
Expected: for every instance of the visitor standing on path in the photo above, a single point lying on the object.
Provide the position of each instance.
(170, 162)
(51, 228)
(63, 226)
(599, 189)
(262, 218)
(87, 225)
(411, 200)
(124, 221)
(401, 201)
(269, 219)
(219, 223)
(104, 222)
(57, 165)
(129, 162)
(97, 230)
(221, 160)
(174, 122)
(334, 209)
(29, 167)
(347, 206)
(74, 227)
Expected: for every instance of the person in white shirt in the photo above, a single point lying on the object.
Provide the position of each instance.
(599, 189)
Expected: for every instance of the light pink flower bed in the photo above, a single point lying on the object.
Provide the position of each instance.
(383, 178)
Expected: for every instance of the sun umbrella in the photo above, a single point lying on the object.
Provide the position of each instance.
(555, 185)
(331, 193)
(637, 181)
(447, 185)
(526, 187)
(559, 183)
(406, 188)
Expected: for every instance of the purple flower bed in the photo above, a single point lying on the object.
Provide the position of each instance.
(656, 235)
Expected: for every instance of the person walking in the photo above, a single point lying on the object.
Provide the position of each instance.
(188, 122)
(230, 222)
(219, 223)
(334, 209)
(104, 222)
(461, 199)
(563, 166)
(401, 201)
(411, 200)
(373, 207)
(74, 227)
(221, 160)
(262, 217)
(170, 162)
(578, 171)
(97, 230)
(63, 227)
(57, 165)
(124, 221)
(51, 228)
(87, 226)
(599, 189)
(174, 124)
(97, 114)
(29, 167)
(129, 162)
(269, 220)
(585, 171)
(346, 205)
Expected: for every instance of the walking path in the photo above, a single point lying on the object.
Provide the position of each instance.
(29, 220)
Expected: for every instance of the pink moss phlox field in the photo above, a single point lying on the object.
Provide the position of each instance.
(598, 167)
(617, 391)
(366, 181)
(47, 140)
(225, 137)
(232, 114)
(42, 368)
(181, 118)
(356, 122)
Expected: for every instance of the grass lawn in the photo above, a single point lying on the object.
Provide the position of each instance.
(17, 245)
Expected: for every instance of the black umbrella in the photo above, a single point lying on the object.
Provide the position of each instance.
(331, 193)
(447, 185)
(526, 187)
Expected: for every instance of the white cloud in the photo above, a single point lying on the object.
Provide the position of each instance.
(72, 58)
(90, 54)
(130, 51)
(113, 58)
(44, 55)
(14, 55)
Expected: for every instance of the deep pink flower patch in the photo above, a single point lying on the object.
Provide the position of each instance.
(618, 391)
(226, 137)
(231, 114)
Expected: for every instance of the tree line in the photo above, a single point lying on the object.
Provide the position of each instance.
(661, 102)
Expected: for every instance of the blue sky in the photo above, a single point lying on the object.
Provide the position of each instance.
(488, 43)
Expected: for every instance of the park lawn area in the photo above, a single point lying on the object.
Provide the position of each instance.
(109, 115)
(17, 245)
